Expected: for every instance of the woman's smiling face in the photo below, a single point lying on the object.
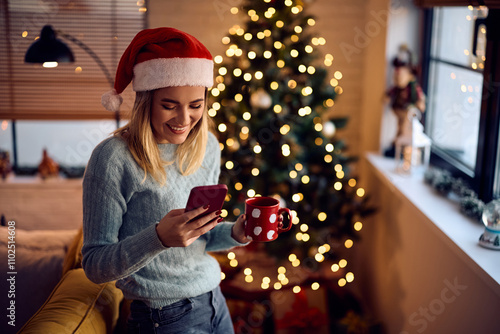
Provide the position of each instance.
(175, 111)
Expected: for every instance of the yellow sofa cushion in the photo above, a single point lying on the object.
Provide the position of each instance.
(77, 305)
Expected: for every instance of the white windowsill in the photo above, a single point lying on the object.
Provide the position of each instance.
(457, 231)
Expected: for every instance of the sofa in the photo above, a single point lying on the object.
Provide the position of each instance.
(47, 289)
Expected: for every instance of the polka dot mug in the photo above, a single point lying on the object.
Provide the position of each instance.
(265, 218)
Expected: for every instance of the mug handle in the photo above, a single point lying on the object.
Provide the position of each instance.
(280, 221)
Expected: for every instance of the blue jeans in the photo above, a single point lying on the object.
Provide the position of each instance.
(207, 313)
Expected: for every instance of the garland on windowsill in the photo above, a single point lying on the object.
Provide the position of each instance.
(446, 185)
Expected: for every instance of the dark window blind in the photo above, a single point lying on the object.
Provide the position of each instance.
(71, 90)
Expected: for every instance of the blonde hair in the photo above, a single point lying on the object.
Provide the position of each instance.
(138, 134)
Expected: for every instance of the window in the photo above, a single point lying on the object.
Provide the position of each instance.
(458, 76)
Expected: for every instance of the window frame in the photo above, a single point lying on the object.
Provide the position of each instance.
(482, 179)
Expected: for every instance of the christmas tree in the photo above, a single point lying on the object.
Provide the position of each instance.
(272, 93)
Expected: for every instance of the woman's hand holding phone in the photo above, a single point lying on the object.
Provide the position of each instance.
(180, 228)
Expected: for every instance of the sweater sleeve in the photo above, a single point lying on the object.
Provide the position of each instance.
(105, 258)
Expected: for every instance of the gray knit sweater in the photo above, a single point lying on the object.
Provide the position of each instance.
(120, 214)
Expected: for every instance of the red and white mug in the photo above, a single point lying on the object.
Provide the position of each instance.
(265, 218)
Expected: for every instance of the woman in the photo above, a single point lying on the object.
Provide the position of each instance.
(137, 183)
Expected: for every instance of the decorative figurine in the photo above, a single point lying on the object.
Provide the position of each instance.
(48, 167)
(5, 166)
(405, 94)
(491, 220)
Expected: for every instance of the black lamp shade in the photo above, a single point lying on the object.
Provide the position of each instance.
(48, 48)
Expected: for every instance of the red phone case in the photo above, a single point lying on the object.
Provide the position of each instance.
(213, 195)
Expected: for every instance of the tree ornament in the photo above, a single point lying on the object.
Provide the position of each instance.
(261, 99)
(329, 129)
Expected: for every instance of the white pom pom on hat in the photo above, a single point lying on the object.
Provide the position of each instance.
(111, 100)
(157, 58)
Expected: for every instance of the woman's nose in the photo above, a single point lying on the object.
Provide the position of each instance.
(183, 116)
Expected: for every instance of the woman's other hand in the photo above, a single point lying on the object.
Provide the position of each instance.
(238, 231)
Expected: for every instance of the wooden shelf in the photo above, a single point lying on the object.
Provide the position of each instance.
(37, 204)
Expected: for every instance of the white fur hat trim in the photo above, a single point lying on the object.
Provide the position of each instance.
(168, 72)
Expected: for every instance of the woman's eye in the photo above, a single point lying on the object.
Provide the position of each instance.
(198, 106)
(168, 108)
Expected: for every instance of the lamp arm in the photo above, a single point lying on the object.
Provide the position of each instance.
(91, 53)
(99, 62)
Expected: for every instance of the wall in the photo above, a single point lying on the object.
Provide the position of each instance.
(412, 277)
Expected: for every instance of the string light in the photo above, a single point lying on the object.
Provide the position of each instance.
(358, 226)
(222, 127)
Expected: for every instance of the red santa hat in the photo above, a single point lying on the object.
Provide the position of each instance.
(157, 58)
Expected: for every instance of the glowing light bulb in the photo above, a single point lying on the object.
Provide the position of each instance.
(218, 59)
(222, 127)
(358, 226)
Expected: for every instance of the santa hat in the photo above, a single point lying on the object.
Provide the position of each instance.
(157, 58)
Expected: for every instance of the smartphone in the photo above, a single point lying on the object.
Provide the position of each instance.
(213, 195)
